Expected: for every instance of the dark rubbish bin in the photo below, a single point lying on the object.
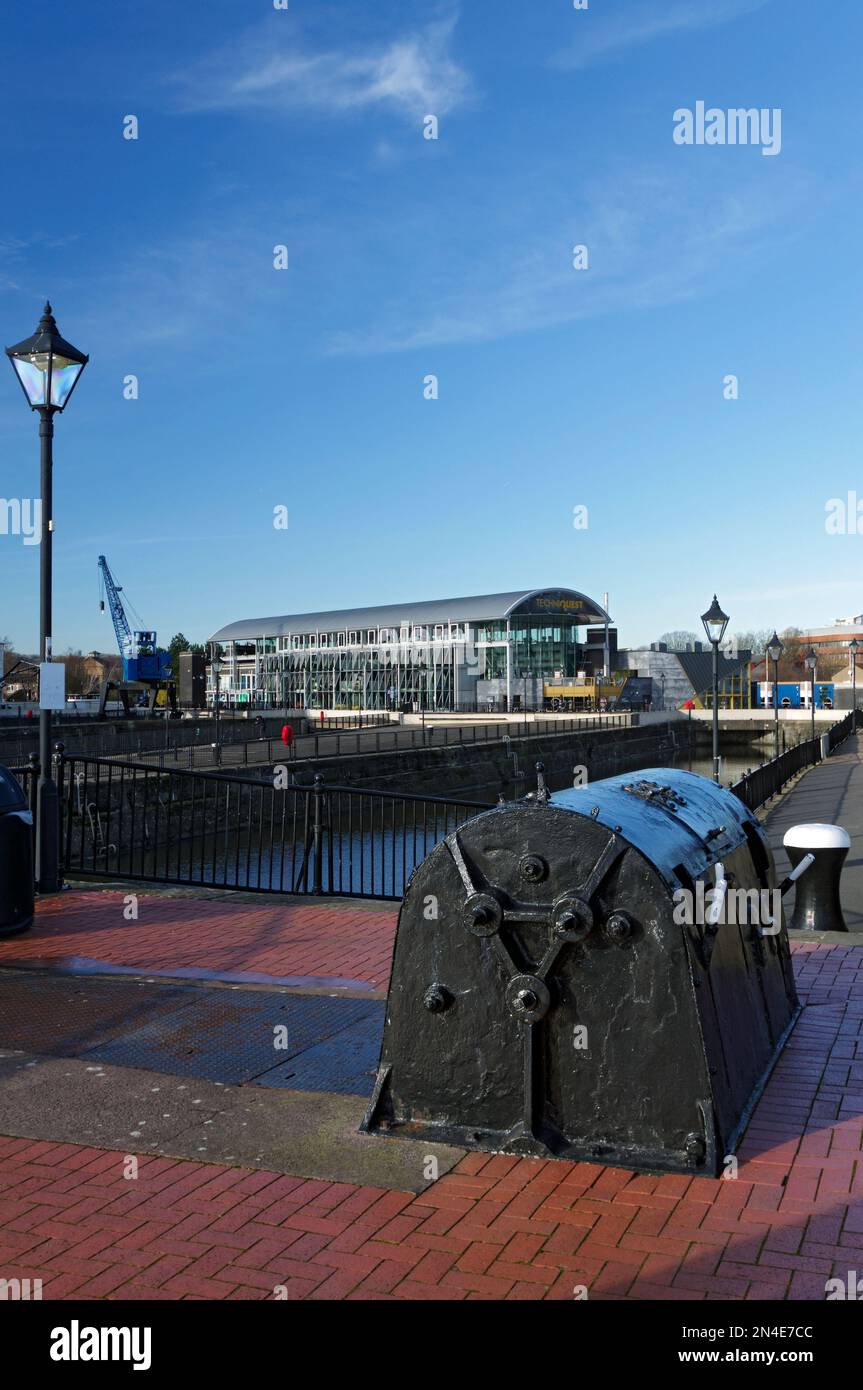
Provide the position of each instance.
(602, 974)
(16, 857)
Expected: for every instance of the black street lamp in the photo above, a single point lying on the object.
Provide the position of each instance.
(811, 660)
(775, 649)
(48, 369)
(715, 622)
(854, 647)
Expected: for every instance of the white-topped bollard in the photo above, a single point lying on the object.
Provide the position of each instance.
(817, 853)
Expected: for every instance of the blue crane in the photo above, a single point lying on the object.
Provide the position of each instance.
(142, 661)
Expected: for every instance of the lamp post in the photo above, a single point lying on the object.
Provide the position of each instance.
(48, 369)
(854, 647)
(811, 659)
(216, 668)
(715, 622)
(775, 649)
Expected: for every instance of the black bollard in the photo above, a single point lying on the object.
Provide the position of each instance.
(816, 902)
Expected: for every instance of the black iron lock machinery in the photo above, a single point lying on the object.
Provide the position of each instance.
(550, 995)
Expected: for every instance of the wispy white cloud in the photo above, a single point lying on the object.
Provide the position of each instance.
(14, 254)
(653, 240)
(602, 38)
(413, 74)
(209, 279)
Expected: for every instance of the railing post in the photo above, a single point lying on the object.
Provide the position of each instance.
(59, 774)
(317, 822)
(35, 770)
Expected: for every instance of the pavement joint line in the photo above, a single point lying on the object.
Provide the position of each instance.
(205, 893)
(199, 979)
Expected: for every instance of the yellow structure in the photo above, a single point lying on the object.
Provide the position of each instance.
(582, 692)
(735, 692)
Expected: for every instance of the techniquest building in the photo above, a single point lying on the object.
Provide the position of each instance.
(492, 650)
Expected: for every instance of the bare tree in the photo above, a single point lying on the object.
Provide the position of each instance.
(679, 640)
(752, 641)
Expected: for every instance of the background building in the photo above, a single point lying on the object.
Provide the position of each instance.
(492, 649)
(687, 674)
(831, 643)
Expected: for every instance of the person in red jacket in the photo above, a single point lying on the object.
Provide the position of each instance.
(287, 736)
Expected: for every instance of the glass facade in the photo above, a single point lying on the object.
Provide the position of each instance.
(411, 664)
(355, 678)
(539, 648)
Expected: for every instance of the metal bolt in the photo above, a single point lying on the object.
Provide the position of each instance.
(436, 999)
(533, 868)
(618, 927)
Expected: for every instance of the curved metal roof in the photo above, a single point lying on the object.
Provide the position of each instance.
(555, 603)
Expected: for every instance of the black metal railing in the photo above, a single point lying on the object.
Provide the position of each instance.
(112, 739)
(170, 738)
(764, 782)
(241, 742)
(843, 729)
(394, 738)
(129, 821)
(211, 830)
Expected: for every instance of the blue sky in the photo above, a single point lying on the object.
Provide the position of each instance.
(410, 257)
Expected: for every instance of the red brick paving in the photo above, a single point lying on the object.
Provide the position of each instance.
(496, 1226)
(220, 935)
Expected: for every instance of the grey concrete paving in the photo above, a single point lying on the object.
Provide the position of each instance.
(68, 1100)
(831, 792)
(165, 1067)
